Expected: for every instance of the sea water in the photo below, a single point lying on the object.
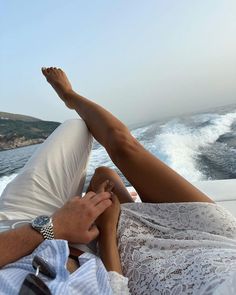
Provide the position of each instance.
(199, 147)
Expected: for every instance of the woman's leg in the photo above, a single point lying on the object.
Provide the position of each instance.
(153, 180)
(104, 173)
(54, 173)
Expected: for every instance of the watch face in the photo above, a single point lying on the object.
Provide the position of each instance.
(41, 221)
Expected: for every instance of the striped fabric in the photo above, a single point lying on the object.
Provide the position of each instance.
(90, 278)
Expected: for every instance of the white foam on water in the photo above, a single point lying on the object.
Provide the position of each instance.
(5, 180)
(176, 143)
(180, 144)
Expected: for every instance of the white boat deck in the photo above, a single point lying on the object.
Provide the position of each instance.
(223, 192)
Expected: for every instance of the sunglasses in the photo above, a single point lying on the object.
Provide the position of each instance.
(33, 285)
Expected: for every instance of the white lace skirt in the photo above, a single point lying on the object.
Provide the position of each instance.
(176, 248)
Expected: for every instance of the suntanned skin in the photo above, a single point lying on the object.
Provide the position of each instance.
(104, 173)
(73, 222)
(107, 225)
(154, 181)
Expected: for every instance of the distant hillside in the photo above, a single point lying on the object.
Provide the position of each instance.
(6, 116)
(18, 130)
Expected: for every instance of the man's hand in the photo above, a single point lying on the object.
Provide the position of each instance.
(74, 222)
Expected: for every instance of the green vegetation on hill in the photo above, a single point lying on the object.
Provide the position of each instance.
(29, 130)
(20, 132)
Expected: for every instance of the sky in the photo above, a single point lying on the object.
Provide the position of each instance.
(141, 60)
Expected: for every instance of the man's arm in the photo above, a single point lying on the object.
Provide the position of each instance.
(17, 243)
(73, 222)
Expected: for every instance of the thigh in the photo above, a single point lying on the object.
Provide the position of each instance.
(153, 180)
(54, 173)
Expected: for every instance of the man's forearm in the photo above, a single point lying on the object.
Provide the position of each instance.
(17, 243)
(109, 251)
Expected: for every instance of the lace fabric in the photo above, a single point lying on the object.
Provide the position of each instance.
(176, 248)
(118, 283)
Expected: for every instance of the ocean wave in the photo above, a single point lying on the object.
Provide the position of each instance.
(179, 143)
(198, 147)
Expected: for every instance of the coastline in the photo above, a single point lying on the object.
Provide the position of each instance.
(18, 143)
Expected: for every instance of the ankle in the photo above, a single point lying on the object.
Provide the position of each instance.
(68, 97)
(67, 93)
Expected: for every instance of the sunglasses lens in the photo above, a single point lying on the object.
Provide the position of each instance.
(44, 267)
(33, 285)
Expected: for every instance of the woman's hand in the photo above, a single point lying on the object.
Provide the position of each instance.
(108, 220)
(107, 224)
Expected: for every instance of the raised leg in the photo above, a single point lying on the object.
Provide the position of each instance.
(153, 180)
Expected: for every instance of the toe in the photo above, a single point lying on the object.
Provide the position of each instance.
(43, 69)
(46, 71)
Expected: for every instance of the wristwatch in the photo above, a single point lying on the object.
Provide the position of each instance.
(43, 224)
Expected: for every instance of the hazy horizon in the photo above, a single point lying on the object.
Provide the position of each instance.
(143, 62)
(217, 109)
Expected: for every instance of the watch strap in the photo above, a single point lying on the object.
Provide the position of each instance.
(47, 232)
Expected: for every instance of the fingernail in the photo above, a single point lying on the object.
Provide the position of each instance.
(111, 185)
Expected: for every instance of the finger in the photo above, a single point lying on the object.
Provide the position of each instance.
(100, 197)
(102, 206)
(102, 186)
(110, 186)
(89, 195)
(78, 197)
(114, 199)
(93, 232)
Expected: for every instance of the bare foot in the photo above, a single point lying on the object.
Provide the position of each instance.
(105, 186)
(59, 81)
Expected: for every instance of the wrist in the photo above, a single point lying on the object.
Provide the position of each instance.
(44, 225)
(108, 227)
(107, 233)
(58, 229)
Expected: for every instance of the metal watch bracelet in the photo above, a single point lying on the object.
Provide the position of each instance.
(47, 232)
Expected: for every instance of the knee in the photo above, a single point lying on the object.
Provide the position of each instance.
(75, 124)
(103, 170)
(122, 143)
(79, 129)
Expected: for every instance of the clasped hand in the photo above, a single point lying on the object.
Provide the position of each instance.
(75, 221)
